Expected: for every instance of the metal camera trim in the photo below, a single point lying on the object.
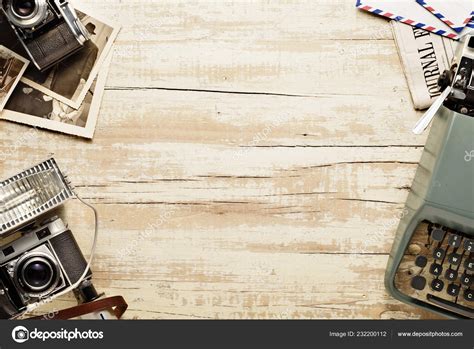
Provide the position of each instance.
(39, 14)
(36, 291)
(69, 15)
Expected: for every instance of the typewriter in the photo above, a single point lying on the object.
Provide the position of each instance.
(431, 264)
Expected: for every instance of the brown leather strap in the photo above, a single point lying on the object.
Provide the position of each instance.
(116, 305)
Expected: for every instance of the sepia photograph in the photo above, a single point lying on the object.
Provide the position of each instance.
(12, 67)
(31, 106)
(70, 80)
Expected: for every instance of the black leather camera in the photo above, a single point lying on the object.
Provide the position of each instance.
(43, 262)
(49, 30)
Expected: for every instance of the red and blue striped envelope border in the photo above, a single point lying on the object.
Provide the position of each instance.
(381, 12)
(440, 16)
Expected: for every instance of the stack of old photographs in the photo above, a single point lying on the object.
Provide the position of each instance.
(65, 98)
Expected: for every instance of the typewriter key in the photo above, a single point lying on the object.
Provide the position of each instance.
(453, 290)
(418, 282)
(437, 285)
(469, 245)
(437, 234)
(469, 295)
(421, 261)
(451, 274)
(436, 269)
(454, 258)
(469, 264)
(466, 280)
(454, 241)
(439, 253)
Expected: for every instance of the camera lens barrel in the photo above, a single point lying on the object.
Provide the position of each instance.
(37, 273)
(24, 8)
(26, 14)
(49, 30)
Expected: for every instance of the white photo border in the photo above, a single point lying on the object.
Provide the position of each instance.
(76, 104)
(20, 74)
(87, 131)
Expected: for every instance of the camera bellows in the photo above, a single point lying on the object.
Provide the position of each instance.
(27, 195)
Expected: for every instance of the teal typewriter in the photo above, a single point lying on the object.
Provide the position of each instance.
(431, 264)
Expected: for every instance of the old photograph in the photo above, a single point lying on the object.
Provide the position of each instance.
(70, 80)
(31, 106)
(12, 67)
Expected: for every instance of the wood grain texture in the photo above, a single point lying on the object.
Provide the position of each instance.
(250, 161)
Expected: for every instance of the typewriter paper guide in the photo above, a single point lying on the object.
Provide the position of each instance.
(31, 193)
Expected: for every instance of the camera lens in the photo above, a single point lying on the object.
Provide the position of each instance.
(37, 274)
(27, 14)
(24, 8)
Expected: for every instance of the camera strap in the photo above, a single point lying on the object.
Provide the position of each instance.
(116, 305)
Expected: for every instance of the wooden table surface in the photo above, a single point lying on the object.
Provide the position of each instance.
(251, 160)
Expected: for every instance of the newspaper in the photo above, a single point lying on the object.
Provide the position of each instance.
(424, 57)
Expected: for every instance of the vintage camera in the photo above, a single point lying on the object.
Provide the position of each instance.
(41, 259)
(49, 30)
(33, 268)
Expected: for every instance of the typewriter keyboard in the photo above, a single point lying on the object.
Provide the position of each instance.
(438, 268)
